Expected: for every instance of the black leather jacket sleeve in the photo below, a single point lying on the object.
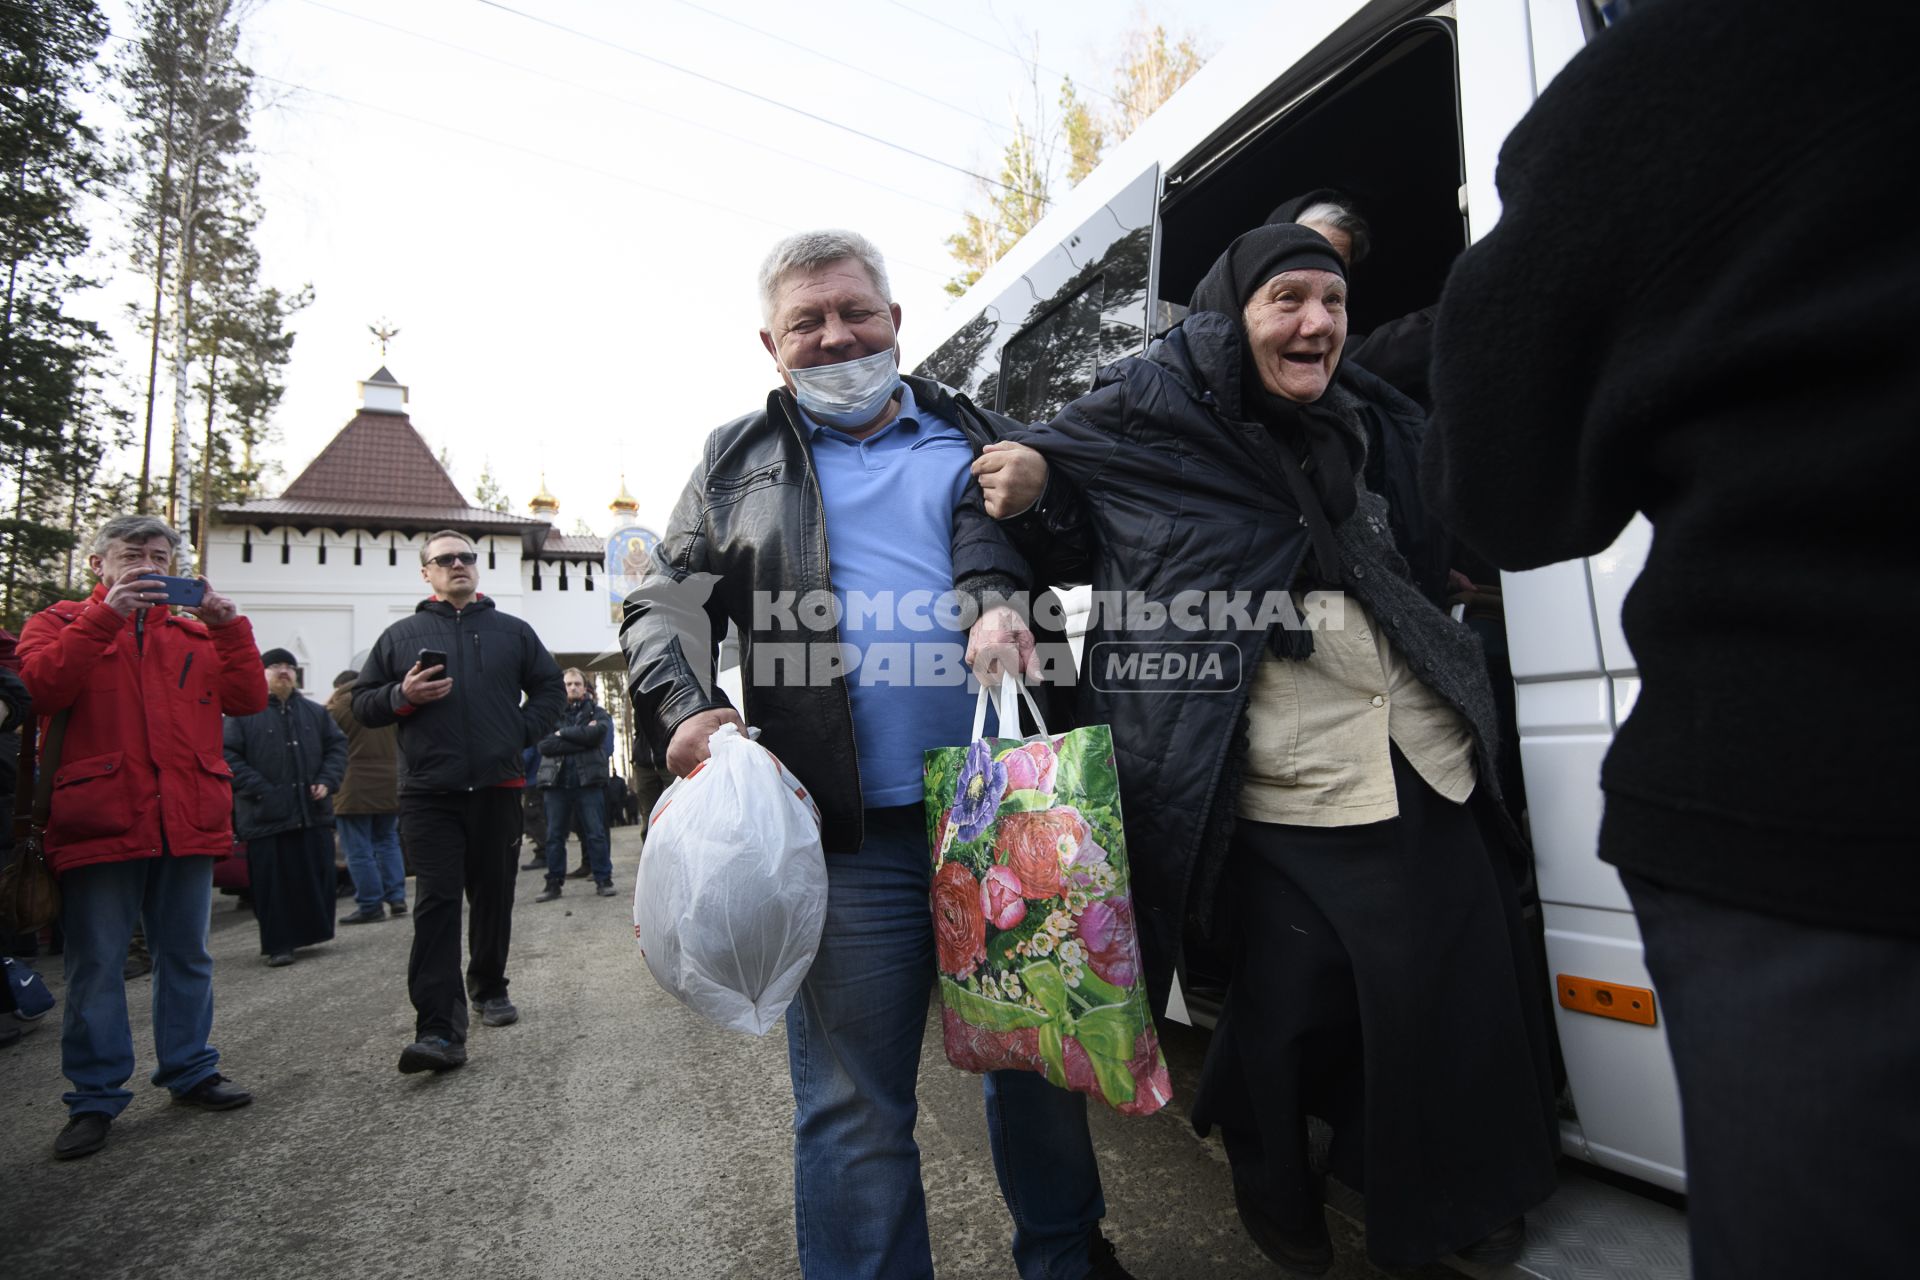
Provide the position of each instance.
(665, 686)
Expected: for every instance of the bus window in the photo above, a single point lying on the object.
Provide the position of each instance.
(1054, 361)
(1083, 305)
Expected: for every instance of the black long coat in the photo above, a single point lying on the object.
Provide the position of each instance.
(1185, 501)
(275, 756)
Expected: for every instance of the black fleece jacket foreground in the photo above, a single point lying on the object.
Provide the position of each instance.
(1701, 303)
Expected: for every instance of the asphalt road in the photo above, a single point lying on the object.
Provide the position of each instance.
(608, 1133)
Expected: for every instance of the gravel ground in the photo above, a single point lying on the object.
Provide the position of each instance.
(608, 1133)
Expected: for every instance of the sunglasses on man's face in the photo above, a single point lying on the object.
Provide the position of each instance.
(453, 558)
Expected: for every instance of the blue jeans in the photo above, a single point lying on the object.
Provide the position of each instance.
(98, 906)
(853, 1047)
(371, 842)
(591, 804)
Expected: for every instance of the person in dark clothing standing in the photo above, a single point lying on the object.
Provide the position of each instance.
(1323, 807)
(573, 774)
(287, 763)
(368, 811)
(1699, 304)
(453, 677)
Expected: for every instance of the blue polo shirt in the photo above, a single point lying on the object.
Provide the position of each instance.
(889, 503)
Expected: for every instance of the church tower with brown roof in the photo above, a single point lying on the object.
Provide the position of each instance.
(326, 565)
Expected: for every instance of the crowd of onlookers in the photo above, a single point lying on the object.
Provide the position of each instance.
(175, 755)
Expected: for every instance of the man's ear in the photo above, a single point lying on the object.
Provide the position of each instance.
(893, 309)
(766, 340)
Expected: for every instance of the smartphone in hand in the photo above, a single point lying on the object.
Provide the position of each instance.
(188, 593)
(430, 658)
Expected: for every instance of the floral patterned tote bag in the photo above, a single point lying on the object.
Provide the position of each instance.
(1033, 916)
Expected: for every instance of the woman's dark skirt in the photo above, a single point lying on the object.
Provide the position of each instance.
(1382, 981)
(292, 888)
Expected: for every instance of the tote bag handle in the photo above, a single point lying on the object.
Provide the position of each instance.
(1007, 704)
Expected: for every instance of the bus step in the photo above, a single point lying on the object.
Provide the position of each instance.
(1589, 1230)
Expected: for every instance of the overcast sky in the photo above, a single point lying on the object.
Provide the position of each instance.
(566, 233)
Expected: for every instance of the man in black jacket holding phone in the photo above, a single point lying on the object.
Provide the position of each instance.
(453, 678)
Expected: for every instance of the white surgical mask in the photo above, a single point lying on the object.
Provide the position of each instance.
(847, 395)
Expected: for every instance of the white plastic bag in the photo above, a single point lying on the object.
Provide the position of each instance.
(732, 891)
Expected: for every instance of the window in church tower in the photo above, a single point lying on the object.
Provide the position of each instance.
(246, 546)
(356, 546)
(323, 546)
(536, 575)
(563, 575)
(490, 557)
(393, 550)
(286, 547)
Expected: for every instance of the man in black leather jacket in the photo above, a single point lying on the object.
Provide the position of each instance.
(827, 527)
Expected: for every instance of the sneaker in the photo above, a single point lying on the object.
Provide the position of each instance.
(364, 915)
(1500, 1247)
(432, 1053)
(280, 961)
(85, 1134)
(605, 890)
(215, 1093)
(1306, 1251)
(497, 1012)
(547, 894)
(396, 908)
(1102, 1262)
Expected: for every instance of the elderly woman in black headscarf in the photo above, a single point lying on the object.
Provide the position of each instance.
(1321, 801)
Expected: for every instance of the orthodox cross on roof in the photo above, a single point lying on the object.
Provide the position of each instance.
(386, 333)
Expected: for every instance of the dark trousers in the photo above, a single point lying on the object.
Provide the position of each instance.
(648, 783)
(292, 881)
(534, 805)
(1798, 1051)
(588, 807)
(461, 843)
(1381, 982)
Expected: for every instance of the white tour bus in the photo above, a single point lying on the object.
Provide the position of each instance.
(1405, 104)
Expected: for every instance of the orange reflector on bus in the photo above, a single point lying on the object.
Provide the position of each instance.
(1605, 999)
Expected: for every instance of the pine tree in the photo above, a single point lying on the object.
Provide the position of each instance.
(54, 426)
(188, 97)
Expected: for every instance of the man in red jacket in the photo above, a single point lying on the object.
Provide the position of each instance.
(142, 805)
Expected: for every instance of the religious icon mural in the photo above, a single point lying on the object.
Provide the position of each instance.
(629, 560)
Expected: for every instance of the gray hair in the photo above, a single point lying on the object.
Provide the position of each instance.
(140, 529)
(809, 250)
(1346, 219)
